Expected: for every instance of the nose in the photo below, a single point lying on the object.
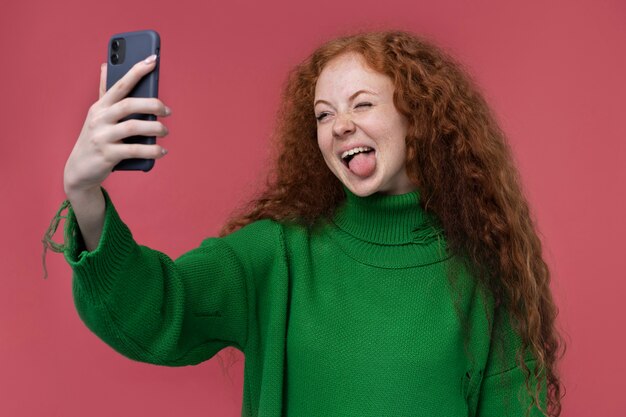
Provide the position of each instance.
(343, 125)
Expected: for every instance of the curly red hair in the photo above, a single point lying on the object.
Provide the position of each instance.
(459, 159)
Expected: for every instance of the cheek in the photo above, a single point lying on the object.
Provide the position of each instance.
(325, 147)
(320, 142)
(381, 126)
(395, 146)
(398, 131)
(324, 143)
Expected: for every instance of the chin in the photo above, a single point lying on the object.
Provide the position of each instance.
(362, 189)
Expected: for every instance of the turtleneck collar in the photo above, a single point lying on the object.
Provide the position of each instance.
(388, 231)
(385, 219)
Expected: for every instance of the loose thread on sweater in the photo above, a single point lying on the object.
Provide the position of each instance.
(48, 242)
(427, 232)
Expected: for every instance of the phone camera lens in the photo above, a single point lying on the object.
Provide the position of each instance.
(115, 45)
(115, 58)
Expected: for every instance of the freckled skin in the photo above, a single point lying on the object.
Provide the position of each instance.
(368, 119)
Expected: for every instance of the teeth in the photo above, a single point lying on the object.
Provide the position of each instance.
(355, 150)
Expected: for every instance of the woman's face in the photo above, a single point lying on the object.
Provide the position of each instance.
(359, 130)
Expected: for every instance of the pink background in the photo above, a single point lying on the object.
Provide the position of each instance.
(553, 71)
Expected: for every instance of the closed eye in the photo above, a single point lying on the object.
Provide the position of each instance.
(321, 116)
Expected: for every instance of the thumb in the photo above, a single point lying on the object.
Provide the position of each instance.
(103, 79)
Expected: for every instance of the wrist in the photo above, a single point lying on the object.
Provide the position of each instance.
(80, 194)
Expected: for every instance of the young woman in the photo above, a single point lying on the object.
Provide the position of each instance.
(389, 268)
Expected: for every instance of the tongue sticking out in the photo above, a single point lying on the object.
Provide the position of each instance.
(363, 164)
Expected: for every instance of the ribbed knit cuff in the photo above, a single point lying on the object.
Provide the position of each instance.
(96, 271)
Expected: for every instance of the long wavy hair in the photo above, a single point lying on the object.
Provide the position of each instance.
(459, 159)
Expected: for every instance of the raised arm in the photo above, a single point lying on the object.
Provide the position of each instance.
(138, 300)
(154, 309)
(99, 146)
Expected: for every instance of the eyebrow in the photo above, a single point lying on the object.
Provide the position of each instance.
(349, 98)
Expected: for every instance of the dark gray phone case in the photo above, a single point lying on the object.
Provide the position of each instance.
(136, 47)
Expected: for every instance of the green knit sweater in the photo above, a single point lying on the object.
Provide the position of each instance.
(352, 317)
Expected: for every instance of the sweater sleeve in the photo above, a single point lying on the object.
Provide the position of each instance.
(503, 389)
(151, 308)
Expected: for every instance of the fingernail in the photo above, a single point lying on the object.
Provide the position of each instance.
(164, 151)
(150, 59)
(103, 66)
(168, 111)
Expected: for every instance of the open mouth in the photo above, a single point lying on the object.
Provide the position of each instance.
(347, 156)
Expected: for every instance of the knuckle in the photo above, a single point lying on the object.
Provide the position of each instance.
(95, 140)
(93, 108)
(96, 119)
(93, 121)
(132, 127)
(136, 149)
(103, 153)
(121, 84)
(156, 105)
(124, 105)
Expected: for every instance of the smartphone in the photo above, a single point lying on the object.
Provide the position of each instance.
(125, 50)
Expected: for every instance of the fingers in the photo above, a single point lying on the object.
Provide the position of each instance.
(135, 127)
(124, 85)
(136, 150)
(103, 79)
(132, 105)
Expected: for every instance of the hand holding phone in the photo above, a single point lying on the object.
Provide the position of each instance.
(125, 50)
(100, 147)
